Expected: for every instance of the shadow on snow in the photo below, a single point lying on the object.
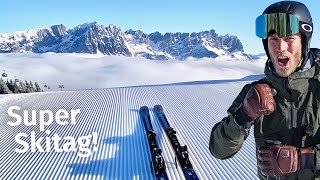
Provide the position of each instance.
(128, 162)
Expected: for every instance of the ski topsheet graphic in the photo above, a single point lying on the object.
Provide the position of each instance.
(158, 163)
(181, 152)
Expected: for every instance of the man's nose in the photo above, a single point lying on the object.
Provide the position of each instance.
(282, 45)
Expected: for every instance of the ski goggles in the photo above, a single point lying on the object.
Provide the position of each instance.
(281, 24)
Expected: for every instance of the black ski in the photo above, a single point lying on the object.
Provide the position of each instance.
(158, 164)
(181, 152)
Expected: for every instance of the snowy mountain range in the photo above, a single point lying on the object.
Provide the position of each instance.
(94, 38)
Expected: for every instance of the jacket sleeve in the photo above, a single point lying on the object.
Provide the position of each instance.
(227, 136)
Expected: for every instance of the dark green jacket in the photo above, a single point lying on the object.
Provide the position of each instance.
(296, 119)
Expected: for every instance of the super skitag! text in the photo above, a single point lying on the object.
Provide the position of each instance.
(31, 142)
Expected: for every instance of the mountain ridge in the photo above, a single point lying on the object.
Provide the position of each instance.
(95, 38)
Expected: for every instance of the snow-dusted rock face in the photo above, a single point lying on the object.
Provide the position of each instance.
(94, 38)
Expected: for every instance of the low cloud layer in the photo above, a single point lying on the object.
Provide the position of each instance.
(81, 71)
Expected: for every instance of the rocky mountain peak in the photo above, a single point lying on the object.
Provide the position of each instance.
(111, 40)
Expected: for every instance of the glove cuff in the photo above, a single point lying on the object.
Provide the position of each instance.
(307, 158)
(242, 118)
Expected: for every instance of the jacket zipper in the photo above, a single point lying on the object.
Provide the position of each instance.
(293, 124)
(296, 138)
(287, 87)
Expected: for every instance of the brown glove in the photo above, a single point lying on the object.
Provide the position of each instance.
(275, 160)
(259, 101)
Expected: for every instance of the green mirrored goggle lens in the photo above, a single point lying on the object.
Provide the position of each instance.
(281, 24)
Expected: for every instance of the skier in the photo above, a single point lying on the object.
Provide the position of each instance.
(284, 107)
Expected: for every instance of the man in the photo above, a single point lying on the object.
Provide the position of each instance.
(284, 107)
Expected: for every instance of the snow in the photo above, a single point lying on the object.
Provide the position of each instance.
(21, 35)
(238, 55)
(195, 95)
(217, 51)
(135, 47)
(122, 150)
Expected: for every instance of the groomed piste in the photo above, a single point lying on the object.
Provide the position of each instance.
(121, 150)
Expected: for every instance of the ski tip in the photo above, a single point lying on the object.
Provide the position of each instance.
(144, 108)
(158, 107)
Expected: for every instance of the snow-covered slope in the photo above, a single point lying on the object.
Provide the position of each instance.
(192, 108)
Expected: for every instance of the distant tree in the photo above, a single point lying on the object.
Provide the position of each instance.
(4, 88)
(22, 87)
(37, 87)
(15, 87)
(32, 89)
(28, 87)
(10, 85)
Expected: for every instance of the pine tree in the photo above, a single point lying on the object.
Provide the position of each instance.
(22, 87)
(4, 88)
(37, 87)
(15, 87)
(32, 89)
(9, 84)
(28, 88)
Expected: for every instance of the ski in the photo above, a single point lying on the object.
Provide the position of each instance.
(181, 152)
(158, 164)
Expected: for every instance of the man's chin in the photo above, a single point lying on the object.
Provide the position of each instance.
(283, 73)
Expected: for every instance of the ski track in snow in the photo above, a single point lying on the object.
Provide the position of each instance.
(192, 110)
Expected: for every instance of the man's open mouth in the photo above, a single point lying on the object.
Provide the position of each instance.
(283, 60)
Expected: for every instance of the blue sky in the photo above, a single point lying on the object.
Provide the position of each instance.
(226, 17)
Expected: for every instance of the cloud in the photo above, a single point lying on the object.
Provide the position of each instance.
(83, 71)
